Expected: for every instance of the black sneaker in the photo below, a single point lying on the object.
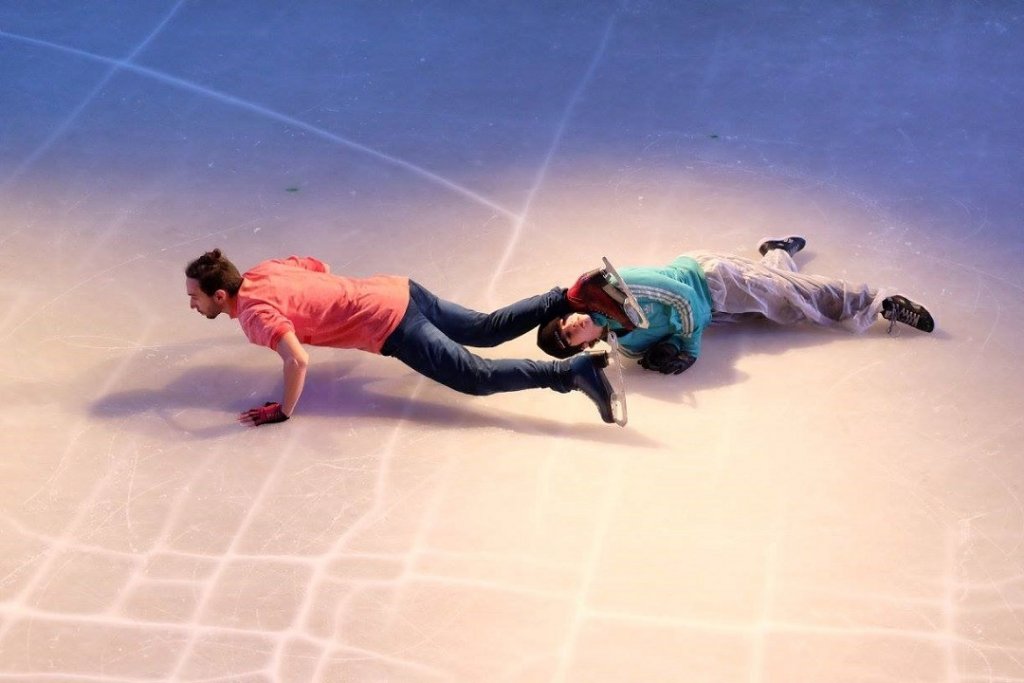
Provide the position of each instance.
(900, 309)
(588, 376)
(791, 245)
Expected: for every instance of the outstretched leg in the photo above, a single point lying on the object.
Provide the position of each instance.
(473, 328)
(742, 286)
(422, 346)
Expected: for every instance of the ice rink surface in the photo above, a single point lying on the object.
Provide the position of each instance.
(802, 506)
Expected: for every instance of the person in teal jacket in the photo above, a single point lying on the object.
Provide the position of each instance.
(700, 288)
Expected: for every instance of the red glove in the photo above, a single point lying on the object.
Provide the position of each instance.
(270, 412)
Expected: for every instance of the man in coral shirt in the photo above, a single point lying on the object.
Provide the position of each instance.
(285, 303)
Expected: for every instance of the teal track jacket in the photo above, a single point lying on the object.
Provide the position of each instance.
(677, 302)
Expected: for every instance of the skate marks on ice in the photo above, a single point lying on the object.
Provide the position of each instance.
(65, 125)
(268, 113)
(334, 392)
(701, 554)
(542, 172)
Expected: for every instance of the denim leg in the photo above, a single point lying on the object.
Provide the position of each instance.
(418, 343)
(472, 328)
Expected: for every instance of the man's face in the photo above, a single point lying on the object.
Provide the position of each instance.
(580, 328)
(198, 300)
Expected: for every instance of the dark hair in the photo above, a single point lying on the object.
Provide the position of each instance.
(552, 342)
(214, 271)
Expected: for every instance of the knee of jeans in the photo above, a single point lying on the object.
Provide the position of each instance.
(473, 380)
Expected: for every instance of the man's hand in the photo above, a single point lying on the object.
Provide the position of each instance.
(666, 359)
(270, 412)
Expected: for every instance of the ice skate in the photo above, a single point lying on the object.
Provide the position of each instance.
(602, 291)
(791, 245)
(900, 309)
(589, 377)
(617, 380)
(629, 304)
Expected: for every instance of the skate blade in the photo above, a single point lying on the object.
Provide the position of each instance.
(614, 374)
(619, 410)
(631, 306)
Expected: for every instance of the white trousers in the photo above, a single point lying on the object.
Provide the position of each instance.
(775, 289)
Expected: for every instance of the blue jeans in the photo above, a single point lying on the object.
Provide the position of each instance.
(433, 335)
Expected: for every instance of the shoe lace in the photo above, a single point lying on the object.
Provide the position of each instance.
(903, 315)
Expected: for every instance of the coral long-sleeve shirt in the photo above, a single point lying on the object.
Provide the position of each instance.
(301, 295)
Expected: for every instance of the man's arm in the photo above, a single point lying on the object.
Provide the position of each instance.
(295, 361)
